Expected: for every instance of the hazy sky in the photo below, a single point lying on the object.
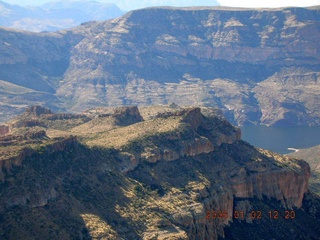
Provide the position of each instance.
(270, 3)
(133, 4)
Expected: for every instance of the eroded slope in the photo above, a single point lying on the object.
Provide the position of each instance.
(260, 66)
(151, 178)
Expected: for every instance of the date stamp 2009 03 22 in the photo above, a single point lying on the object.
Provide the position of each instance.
(254, 214)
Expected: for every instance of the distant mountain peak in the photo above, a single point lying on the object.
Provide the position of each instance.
(56, 15)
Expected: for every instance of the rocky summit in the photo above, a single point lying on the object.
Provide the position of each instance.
(162, 172)
(259, 66)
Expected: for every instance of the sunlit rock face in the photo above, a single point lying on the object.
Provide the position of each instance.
(253, 64)
(259, 66)
(154, 172)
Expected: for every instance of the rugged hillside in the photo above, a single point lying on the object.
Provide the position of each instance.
(55, 15)
(169, 174)
(312, 156)
(32, 67)
(260, 66)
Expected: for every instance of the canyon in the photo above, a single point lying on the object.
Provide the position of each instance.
(144, 173)
(122, 129)
(259, 66)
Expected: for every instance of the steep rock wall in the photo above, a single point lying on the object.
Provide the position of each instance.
(163, 182)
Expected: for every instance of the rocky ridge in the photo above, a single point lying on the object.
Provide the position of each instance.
(311, 156)
(227, 58)
(259, 66)
(153, 178)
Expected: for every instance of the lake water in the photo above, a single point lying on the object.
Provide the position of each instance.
(279, 139)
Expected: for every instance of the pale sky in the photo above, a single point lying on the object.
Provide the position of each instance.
(134, 4)
(269, 3)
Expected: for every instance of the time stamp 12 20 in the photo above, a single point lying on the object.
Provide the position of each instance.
(254, 214)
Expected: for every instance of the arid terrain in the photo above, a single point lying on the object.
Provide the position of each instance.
(259, 66)
(123, 129)
(162, 172)
(312, 156)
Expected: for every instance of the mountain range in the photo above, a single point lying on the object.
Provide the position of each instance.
(259, 66)
(55, 15)
(79, 167)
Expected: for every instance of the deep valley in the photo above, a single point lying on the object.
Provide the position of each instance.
(259, 66)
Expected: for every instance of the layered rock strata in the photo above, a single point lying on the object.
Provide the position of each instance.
(260, 66)
(159, 178)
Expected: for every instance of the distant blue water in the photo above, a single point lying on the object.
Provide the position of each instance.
(279, 139)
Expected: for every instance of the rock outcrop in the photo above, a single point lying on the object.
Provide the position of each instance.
(10, 159)
(29, 136)
(127, 115)
(37, 111)
(163, 177)
(4, 129)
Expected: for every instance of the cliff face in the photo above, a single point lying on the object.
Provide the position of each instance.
(127, 115)
(157, 178)
(251, 63)
(311, 156)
